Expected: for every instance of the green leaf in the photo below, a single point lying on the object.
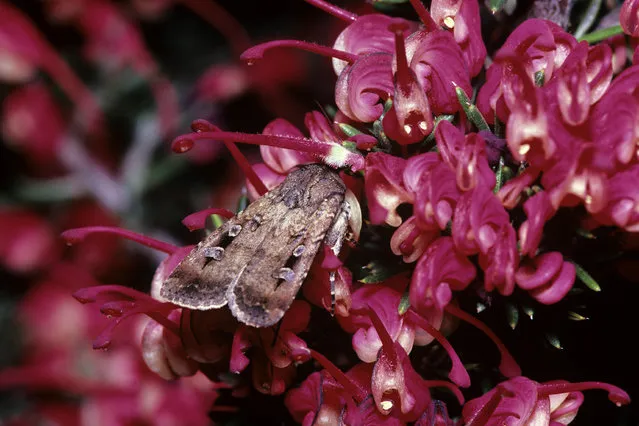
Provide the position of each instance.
(471, 110)
(530, 312)
(376, 272)
(600, 35)
(496, 5)
(404, 304)
(348, 130)
(512, 314)
(242, 203)
(500, 176)
(574, 316)
(554, 341)
(586, 278)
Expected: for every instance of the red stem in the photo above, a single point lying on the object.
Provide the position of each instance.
(508, 365)
(72, 236)
(338, 12)
(257, 52)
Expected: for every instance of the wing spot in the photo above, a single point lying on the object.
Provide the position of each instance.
(299, 250)
(255, 222)
(215, 253)
(235, 230)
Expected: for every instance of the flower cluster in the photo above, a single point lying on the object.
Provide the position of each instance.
(464, 191)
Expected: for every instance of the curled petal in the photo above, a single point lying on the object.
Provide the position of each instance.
(500, 263)
(538, 211)
(164, 354)
(599, 70)
(362, 87)
(410, 241)
(629, 17)
(622, 208)
(368, 34)
(440, 68)
(479, 216)
(439, 271)
(554, 291)
(573, 90)
(539, 271)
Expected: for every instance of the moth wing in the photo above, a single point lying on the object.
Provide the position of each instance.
(201, 280)
(262, 293)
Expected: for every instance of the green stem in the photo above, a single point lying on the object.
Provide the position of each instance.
(600, 35)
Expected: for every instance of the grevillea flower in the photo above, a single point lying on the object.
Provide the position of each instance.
(115, 43)
(32, 124)
(521, 401)
(27, 242)
(462, 17)
(478, 220)
(24, 50)
(385, 188)
(439, 271)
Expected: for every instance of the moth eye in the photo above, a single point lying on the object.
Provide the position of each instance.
(256, 222)
(286, 274)
(299, 250)
(215, 253)
(235, 230)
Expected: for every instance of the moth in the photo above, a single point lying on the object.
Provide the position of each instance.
(257, 260)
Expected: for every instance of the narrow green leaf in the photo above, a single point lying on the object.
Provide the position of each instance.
(375, 272)
(242, 203)
(471, 110)
(216, 220)
(349, 130)
(586, 278)
(512, 314)
(600, 35)
(554, 341)
(574, 316)
(499, 175)
(529, 311)
(586, 234)
(496, 5)
(404, 304)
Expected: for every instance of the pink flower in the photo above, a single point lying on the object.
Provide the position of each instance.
(439, 271)
(433, 187)
(623, 199)
(33, 125)
(462, 17)
(479, 217)
(466, 155)
(629, 17)
(27, 242)
(521, 401)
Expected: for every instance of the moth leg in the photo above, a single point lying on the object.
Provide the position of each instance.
(334, 240)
